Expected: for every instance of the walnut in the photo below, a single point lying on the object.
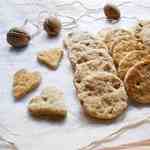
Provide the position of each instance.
(18, 38)
(52, 26)
(111, 12)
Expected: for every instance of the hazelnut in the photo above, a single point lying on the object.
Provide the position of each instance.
(18, 38)
(52, 26)
(111, 12)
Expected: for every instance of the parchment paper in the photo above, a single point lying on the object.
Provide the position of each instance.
(77, 130)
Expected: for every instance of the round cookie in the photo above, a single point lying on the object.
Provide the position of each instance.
(98, 84)
(89, 67)
(96, 44)
(123, 47)
(145, 36)
(106, 107)
(139, 27)
(102, 33)
(115, 35)
(80, 54)
(75, 37)
(137, 81)
(102, 95)
(129, 60)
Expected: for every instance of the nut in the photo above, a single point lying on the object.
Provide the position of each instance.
(52, 26)
(111, 12)
(18, 38)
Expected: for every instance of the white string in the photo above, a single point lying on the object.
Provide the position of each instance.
(73, 22)
(11, 144)
(116, 134)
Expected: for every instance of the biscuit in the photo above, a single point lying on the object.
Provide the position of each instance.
(89, 67)
(115, 35)
(80, 54)
(145, 36)
(139, 27)
(137, 81)
(106, 107)
(129, 60)
(102, 33)
(50, 104)
(96, 44)
(123, 47)
(102, 95)
(51, 58)
(98, 84)
(24, 82)
(76, 37)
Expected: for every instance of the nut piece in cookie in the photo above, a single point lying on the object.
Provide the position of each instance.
(24, 82)
(129, 60)
(137, 81)
(50, 104)
(51, 58)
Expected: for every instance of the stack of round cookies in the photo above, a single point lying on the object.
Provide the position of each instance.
(130, 50)
(99, 89)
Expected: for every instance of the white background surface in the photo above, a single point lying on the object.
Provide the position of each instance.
(77, 130)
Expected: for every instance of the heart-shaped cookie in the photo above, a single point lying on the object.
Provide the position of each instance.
(24, 82)
(50, 104)
(51, 58)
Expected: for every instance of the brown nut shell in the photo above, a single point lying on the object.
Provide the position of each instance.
(111, 12)
(18, 38)
(52, 26)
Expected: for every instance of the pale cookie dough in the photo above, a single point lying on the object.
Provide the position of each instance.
(80, 54)
(89, 67)
(137, 81)
(50, 104)
(102, 95)
(123, 47)
(51, 58)
(24, 82)
(76, 37)
(129, 60)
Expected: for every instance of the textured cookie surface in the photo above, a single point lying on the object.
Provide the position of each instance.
(89, 67)
(51, 58)
(80, 54)
(76, 37)
(96, 44)
(145, 36)
(102, 95)
(137, 81)
(123, 47)
(106, 107)
(116, 34)
(50, 103)
(98, 84)
(139, 27)
(24, 82)
(129, 60)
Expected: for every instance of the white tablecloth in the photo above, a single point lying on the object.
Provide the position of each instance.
(77, 130)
